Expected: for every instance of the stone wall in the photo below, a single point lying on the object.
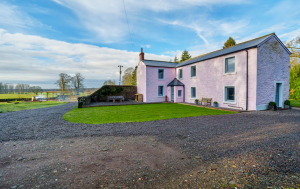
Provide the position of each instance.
(127, 91)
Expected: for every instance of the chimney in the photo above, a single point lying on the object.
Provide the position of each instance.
(141, 54)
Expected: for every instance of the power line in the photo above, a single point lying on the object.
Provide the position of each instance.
(128, 26)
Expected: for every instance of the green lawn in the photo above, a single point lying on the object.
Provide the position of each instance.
(295, 103)
(11, 107)
(137, 113)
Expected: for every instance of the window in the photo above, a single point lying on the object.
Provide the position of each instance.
(229, 95)
(160, 91)
(161, 74)
(179, 73)
(193, 71)
(193, 92)
(179, 93)
(230, 65)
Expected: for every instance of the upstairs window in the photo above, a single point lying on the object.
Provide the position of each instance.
(161, 74)
(229, 95)
(193, 92)
(230, 65)
(193, 71)
(179, 73)
(160, 91)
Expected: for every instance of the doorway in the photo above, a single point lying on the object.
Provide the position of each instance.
(172, 93)
(279, 94)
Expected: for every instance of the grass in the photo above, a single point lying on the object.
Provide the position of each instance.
(11, 107)
(137, 113)
(295, 103)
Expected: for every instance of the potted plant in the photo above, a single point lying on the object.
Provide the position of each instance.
(272, 106)
(215, 104)
(196, 101)
(287, 104)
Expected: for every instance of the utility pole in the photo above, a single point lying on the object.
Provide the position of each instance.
(120, 74)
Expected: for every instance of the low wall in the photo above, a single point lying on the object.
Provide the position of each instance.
(15, 99)
(102, 93)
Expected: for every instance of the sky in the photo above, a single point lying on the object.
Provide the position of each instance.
(40, 39)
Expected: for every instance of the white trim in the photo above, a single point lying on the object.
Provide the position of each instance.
(262, 107)
(191, 71)
(224, 95)
(181, 93)
(162, 91)
(281, 102)
(191, 92)
(178, 73)
(224, 65)
(158, 74)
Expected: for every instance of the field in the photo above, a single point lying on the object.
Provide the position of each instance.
(29, 95)
(137, 113)
(295, 103)
(11, 107)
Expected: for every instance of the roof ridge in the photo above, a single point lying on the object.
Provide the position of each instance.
(230, 47)
(161, 61)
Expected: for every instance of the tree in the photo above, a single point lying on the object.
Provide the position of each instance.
(230, 42)
(1, 88)
(176, 59)
(36, 89)
(63, 81)
(294, 47)
(11, 88)
(109, 82)
(77, 82)
(185, 56)
(127, 77)
(133, 82)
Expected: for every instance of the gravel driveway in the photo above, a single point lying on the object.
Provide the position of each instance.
(39, 149)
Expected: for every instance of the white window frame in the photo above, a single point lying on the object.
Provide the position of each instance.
(162, 90)
(191, 92)
(179, 74)
(224, 71)
(191, 71)
(225, 101)
(158, 74)
(180, 95)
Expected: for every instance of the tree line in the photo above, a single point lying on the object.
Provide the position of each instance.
(8, 88)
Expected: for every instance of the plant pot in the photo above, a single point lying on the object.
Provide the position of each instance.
(215, 105)
(286, 106)
(273, 108)
(196, 102)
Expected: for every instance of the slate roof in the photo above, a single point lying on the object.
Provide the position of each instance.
(175, 82)
(159, 63)
(238, 47)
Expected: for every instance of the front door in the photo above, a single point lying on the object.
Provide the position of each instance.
(278, 94)
(172, 94)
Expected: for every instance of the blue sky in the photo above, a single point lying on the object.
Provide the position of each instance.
(40, 39)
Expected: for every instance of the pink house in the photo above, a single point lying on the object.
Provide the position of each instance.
(248, 75)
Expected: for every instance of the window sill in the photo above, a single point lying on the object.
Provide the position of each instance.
(194, 77)
(160, 79)
(228, 102)
(233, 73)
(160, 96)
(179, 97)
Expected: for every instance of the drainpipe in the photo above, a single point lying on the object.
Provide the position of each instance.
(246, 80)
(183, 93)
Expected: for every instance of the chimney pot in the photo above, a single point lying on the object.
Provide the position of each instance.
(141, 55)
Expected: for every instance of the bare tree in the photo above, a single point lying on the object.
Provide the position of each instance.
(77, 82)
(36, 89)
(11, 88)
(5, 88)
(1, 88)
(63, 82)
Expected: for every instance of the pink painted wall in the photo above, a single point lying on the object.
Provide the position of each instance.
(210, 80)
(273, 65)
(176, 98)
(154, 82)
(141, 80)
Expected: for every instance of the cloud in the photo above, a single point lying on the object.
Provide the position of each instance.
(106, 20)
(146, 46)
(36, 59)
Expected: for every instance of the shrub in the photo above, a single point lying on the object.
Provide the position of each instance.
(272, 103)
(196, 100)
(287, 102)
(215, 102)
(16, 103)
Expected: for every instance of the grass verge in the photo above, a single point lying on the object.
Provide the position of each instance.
(137, 113)
(8, 107)
(295, 103)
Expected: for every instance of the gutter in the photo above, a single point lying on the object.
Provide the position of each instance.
(246, 80)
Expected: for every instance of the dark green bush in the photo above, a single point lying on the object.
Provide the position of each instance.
(215, 102)
(196, 100)
(287, 102)
(272, 103)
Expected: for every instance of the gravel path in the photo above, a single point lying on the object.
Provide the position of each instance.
(246, 150)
